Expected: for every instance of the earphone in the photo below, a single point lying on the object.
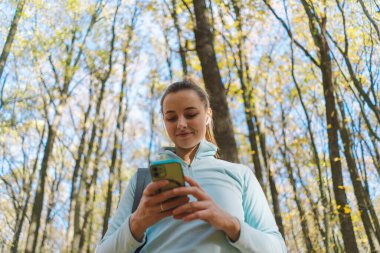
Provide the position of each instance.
(208, 120)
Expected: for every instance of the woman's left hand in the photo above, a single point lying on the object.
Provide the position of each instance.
(205, 209)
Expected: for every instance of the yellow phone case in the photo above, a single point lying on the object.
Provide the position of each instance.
(170, 170)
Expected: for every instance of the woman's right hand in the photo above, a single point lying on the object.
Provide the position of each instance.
(153, 207)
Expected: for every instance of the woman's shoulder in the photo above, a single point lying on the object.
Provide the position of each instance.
(233, 166)
(240, 170)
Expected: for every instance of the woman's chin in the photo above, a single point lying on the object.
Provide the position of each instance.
(190, 144)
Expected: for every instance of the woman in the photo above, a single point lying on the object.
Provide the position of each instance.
(222, 209)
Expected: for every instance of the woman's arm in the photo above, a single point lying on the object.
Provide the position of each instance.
(118, 237)
(259, 231)
(126, 231)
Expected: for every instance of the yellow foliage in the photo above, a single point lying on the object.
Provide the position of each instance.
(347, 209)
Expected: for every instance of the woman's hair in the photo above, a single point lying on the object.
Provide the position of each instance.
(189, 84)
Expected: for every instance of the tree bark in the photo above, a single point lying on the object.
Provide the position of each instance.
(19, 225)
(181, 48)
(364, 201)
(224, 133)
(51, 204)
(40, 193)
(86, 234)
(11, 35)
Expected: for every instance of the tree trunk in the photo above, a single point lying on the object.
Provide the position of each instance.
(16, 236)
(54, 188)
(11, 35)
(102, 74)
(326, 233)
(114, 158)
(77, 202)
(356, 81)
(69, 70)
(367, 14)
(362, 197)
(300, 208)
(181, 49)
(87, 234)
(320, 41)
(40, 193)
(78, 160)
(224, 133)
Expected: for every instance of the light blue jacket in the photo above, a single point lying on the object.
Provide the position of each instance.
(232, 186)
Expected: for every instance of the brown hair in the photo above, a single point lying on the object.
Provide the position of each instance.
(189, 84)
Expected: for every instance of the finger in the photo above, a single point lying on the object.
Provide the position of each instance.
(191, 207)
(200, 215)
(152, 188)
(164, 214)
(197, 192)
(170, 205)
(192, 182)
(163, 196)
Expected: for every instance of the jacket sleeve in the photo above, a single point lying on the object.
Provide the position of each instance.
(259, 232)
(118, 237)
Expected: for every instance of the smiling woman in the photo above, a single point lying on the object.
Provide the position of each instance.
(187, 117)
(222, 208)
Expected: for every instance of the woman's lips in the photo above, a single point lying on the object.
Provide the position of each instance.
(184, 134)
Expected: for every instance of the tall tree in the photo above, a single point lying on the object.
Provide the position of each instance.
(302, 214)
(11, 35)
(71, 62)
(322, 188)
(317, 26)
(173, 9)
(27, 189)
(224, 132)
(362, 196)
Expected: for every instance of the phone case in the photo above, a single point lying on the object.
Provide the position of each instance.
(171, 170)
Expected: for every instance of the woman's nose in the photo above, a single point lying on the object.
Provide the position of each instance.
(181, 122)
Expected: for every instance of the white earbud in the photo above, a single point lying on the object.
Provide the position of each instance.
(208, 120)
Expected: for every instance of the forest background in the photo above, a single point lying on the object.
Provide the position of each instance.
(294, 86)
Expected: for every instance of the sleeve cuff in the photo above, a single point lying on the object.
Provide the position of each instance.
(240, 235)
(134, 244)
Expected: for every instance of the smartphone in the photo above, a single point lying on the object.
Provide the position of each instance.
(170, 170)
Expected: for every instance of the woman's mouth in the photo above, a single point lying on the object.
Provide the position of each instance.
(185, 134)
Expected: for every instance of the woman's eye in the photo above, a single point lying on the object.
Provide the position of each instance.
(190, 116)
(171, 119)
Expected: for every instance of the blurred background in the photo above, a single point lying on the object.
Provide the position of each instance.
(294, 86)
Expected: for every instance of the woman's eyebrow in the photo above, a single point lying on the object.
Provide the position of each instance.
(190, 108)
(186, 109)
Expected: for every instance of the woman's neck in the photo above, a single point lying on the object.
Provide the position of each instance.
(187, 155)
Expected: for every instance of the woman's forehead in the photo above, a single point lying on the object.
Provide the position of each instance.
(184, 99)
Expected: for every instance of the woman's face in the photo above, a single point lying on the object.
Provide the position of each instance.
(185, 118)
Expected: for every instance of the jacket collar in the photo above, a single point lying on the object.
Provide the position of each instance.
(205, 149)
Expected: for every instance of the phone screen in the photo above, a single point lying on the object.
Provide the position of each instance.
(170, 170)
